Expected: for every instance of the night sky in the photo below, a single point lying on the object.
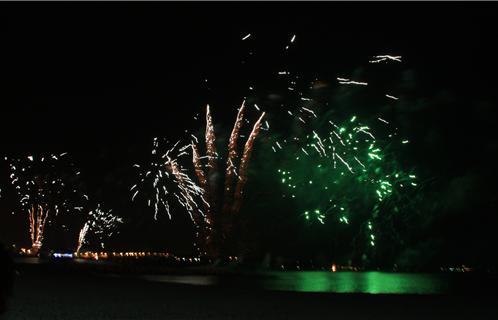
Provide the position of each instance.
(100, 80)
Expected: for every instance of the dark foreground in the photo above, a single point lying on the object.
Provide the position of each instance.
(43, 293)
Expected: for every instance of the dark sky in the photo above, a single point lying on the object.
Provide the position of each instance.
(101, 79)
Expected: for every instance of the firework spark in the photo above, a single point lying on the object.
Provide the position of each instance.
(385, 58)
(348, 81)
(167, 179)
(188, 189)
(101, 224)
(199, 172)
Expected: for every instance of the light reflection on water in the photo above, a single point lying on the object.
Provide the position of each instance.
(359, 282)
(192, 280)
(320, 281)
(372, 282)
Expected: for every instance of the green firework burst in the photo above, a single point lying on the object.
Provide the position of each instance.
(345, 173)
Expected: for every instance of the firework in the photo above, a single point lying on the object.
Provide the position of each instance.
(45, 184)
(231, 170)
(211, 155)
(202, 182)
(346, 174)
(37, 221)
(188, 189)
(213, 222)
(101, 224)
(348, 81)
(391, 97)
(166, 179)
(232, 155)
(385, 58)
(82, 237)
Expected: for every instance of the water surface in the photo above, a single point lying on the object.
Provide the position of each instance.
(359, 282)
(372, 282)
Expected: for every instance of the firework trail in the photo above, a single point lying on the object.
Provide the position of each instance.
(82, 237)
(211, 153)
(335, 175)
(244, 164)
(232, 155)
(37, 220)
(45, 184)
(101, 224)
(212, 157)
(188, 189)
(215, 225)
(202, 181)
(167, 178)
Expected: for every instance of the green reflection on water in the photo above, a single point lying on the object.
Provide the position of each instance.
(358, 282)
